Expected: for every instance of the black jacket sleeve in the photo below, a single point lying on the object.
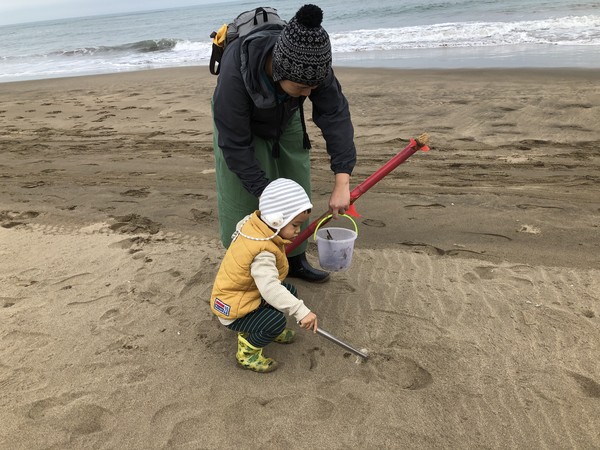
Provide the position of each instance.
(331, 114)
(232, 112)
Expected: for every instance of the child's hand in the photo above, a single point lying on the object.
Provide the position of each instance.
(309, 322)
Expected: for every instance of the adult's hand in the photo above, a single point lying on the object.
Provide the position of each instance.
(339, 202)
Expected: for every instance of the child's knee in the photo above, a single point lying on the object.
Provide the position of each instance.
(280, 324)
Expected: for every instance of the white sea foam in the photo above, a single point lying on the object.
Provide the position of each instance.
(561, 31)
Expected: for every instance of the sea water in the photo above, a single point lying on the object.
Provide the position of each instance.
(382, 33)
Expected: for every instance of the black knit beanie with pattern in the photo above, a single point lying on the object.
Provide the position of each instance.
(303, 52)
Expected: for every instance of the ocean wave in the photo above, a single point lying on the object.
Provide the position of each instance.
(193, 46)
(569, 40)
(572, 30)
(145, 46)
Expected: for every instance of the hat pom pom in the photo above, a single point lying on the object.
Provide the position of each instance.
(310, 16)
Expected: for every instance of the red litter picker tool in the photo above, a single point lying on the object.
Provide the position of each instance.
(415, 144)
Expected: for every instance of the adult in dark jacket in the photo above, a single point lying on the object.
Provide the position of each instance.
(259, 129)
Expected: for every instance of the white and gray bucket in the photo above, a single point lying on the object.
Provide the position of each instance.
(335, 245)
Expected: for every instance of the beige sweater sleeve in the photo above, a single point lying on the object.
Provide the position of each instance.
(266, 276)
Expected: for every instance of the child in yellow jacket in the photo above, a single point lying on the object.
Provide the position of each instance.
(249, 294)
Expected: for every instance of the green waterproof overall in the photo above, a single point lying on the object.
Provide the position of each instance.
(234, 202)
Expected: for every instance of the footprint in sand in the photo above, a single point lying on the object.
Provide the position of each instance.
(182, 425)
(399, 371)
(67, 412)
(109, 314)
(196, 196)
(131, 243)
(24, 339)
(8, 302)
(33, 185)
(312, 357)
(589, 387)
(486, 272)
(480, 273)
(202, 216)
(139, 193)
(373, 223)
(11, 224)
(11, 219)
(189, 433)
(134, 223)
(209, 333)
(337, 287)
(429, 247)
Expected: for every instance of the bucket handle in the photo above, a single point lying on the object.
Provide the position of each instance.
(329, 217)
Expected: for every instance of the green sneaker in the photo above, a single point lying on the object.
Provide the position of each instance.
(287, 336)
(251, 357)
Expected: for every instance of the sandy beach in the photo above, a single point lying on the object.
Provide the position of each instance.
(474, 286)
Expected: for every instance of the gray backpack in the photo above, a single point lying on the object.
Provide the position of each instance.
(244, 24)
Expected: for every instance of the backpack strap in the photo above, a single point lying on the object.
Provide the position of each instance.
(306, 140)
(262, 10)
(218, 47)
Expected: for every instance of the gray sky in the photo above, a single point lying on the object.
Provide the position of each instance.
(18, 11)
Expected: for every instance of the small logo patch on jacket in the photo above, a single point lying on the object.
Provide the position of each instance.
(222, 307)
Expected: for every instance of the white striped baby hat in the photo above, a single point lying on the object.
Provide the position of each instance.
(281, 201)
